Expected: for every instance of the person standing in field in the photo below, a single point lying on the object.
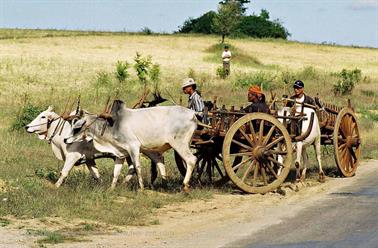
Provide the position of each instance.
(195, 101)
(226, 57)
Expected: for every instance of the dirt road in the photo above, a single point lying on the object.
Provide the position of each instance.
(214, 223)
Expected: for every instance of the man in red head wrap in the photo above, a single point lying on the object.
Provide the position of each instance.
(257, 97)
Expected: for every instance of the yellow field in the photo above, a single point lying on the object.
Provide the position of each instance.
(50, 70)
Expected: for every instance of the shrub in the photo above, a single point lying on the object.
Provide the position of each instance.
(47, 173)
(103, 79)
(203, 24)
(147, 31)
(221, 72)
(348, 79)
(368, 93)
(121, 71)
(155, 73)
(192, 73)
(308, 72)
(262, 79)
(142, 66)
(287, 77)
(28, 113)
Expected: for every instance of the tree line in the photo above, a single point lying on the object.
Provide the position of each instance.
(231, 19)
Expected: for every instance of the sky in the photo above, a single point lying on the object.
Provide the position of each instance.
(344, 22)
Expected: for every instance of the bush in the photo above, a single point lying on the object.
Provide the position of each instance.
(142, 66)
(308, 72)
(258, 26)
(48, 174)
(221, 72)
(192, 74)
(103, 79)
(121, 71)
(261, 27)
(287, 77)
(203, 24)
(262, 79)
(348, 79)
(28, 113)
(146, 31)
(155, 73)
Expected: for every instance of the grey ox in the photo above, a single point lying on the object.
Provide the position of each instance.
(132, 131)
(51, 127)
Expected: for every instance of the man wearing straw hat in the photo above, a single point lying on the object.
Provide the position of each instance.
(257, 97)
(195, 101)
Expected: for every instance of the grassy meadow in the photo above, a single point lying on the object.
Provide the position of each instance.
(42, 68)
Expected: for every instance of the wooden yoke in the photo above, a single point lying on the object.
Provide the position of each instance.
(106, 115)
(65, 115)
(139, 104)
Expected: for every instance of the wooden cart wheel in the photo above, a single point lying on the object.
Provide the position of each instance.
(347, 142)
(209, 167)
(265, 149)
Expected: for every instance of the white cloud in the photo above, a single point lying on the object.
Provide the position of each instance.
(364, 5)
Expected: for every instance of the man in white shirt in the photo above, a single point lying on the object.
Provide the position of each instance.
(226, 57)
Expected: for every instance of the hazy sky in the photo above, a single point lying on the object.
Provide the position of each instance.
(347, 22)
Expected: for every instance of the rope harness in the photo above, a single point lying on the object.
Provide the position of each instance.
(48, 125)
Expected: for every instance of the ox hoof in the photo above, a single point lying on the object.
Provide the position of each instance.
(281, 191)
(321, 177)
(186, 189)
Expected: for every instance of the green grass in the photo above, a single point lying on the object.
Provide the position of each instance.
(54, 237)
(4, 222)
(239, 56)
(28, 194)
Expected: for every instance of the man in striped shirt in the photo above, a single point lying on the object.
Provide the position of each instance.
(195, 101)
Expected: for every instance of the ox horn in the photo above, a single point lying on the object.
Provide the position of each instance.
(77, 106)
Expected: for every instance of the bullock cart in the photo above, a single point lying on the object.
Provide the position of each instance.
(254, 150)
(339, 128)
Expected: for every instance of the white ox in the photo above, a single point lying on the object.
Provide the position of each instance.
(45, 125)
(132, 131)
(312, 139)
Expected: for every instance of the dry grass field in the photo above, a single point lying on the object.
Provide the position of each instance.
(49, 70)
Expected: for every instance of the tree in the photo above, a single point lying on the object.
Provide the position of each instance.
(228, 18)
(261, 27)
(264, 14)
(239, 2)
(203, 24)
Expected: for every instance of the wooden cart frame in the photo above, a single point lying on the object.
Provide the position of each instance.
(254, 150)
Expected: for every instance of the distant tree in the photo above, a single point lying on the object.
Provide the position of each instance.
(239, 2)
(204, 24)
(228, 18)
(231, 19)
(146, 30)
(261, 27)
(264, 14)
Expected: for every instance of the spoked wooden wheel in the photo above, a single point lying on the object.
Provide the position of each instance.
(264, 151)
(209, 167)
(347, 142)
